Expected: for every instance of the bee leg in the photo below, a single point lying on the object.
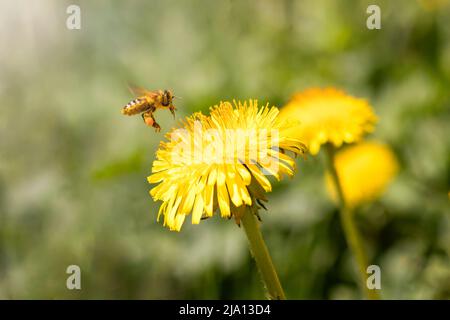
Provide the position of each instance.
(156, 126)
(148, 119)
(172, 110)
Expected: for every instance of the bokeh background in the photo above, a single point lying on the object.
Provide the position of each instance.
(73, 170)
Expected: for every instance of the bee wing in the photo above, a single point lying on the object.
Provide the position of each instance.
(138, 91)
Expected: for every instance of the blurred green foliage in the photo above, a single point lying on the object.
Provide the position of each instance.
(73, 170)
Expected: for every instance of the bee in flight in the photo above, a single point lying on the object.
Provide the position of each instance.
(147, 102)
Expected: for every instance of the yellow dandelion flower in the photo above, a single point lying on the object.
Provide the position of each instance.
(328, 116)
(220, 162)
(364, 171)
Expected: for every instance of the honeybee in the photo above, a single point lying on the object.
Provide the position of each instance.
(147, 102)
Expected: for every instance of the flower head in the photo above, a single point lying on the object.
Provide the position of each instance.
(220, 162)
(328, 116)
(364, 171)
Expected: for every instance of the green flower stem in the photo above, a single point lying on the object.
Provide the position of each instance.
(350, 230)
(262, 257)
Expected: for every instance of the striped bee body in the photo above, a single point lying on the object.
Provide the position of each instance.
(137, 106)
(147, 102)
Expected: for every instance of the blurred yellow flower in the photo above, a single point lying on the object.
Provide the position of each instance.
(220, 162)
(364, 172)
(328, 115)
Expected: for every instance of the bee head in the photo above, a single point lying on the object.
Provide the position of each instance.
(167, 98)
(167, 101)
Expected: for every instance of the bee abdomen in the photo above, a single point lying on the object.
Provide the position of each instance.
(134, 106)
